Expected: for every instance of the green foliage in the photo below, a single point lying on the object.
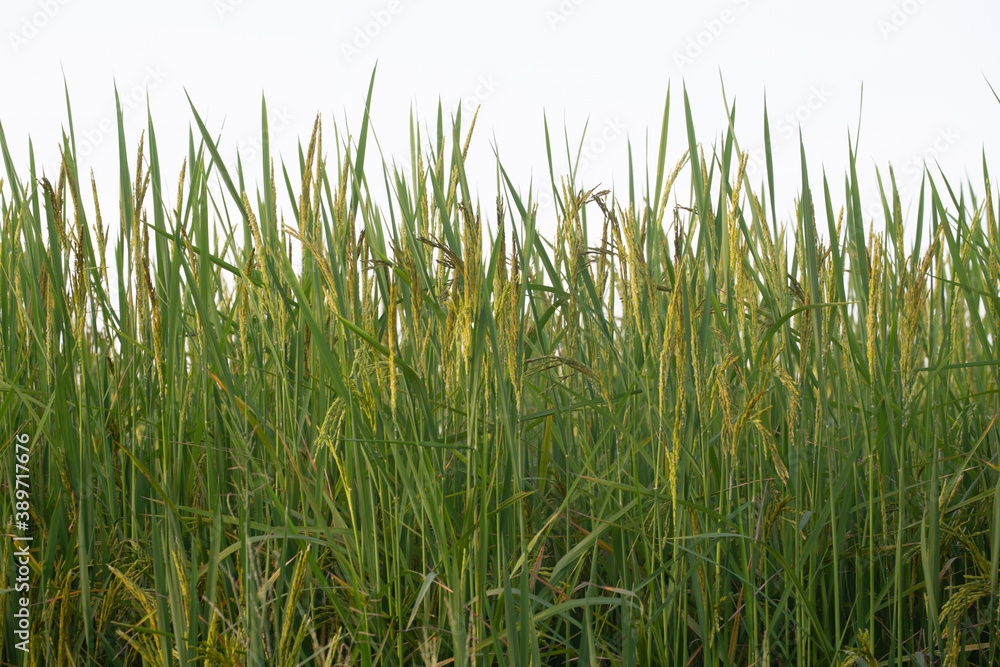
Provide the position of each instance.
(702, 438)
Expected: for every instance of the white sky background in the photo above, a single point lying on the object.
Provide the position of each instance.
(924, 66)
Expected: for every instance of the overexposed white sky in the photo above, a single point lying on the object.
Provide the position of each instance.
(924, 65)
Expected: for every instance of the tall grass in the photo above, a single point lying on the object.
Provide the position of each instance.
(706, 437)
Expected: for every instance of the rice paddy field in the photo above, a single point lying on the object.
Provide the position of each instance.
(289, 426)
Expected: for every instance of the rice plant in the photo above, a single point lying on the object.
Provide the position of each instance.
(290, 426)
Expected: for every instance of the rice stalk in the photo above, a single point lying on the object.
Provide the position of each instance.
(723, 441)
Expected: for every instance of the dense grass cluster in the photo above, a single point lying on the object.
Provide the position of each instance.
(706, 437)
